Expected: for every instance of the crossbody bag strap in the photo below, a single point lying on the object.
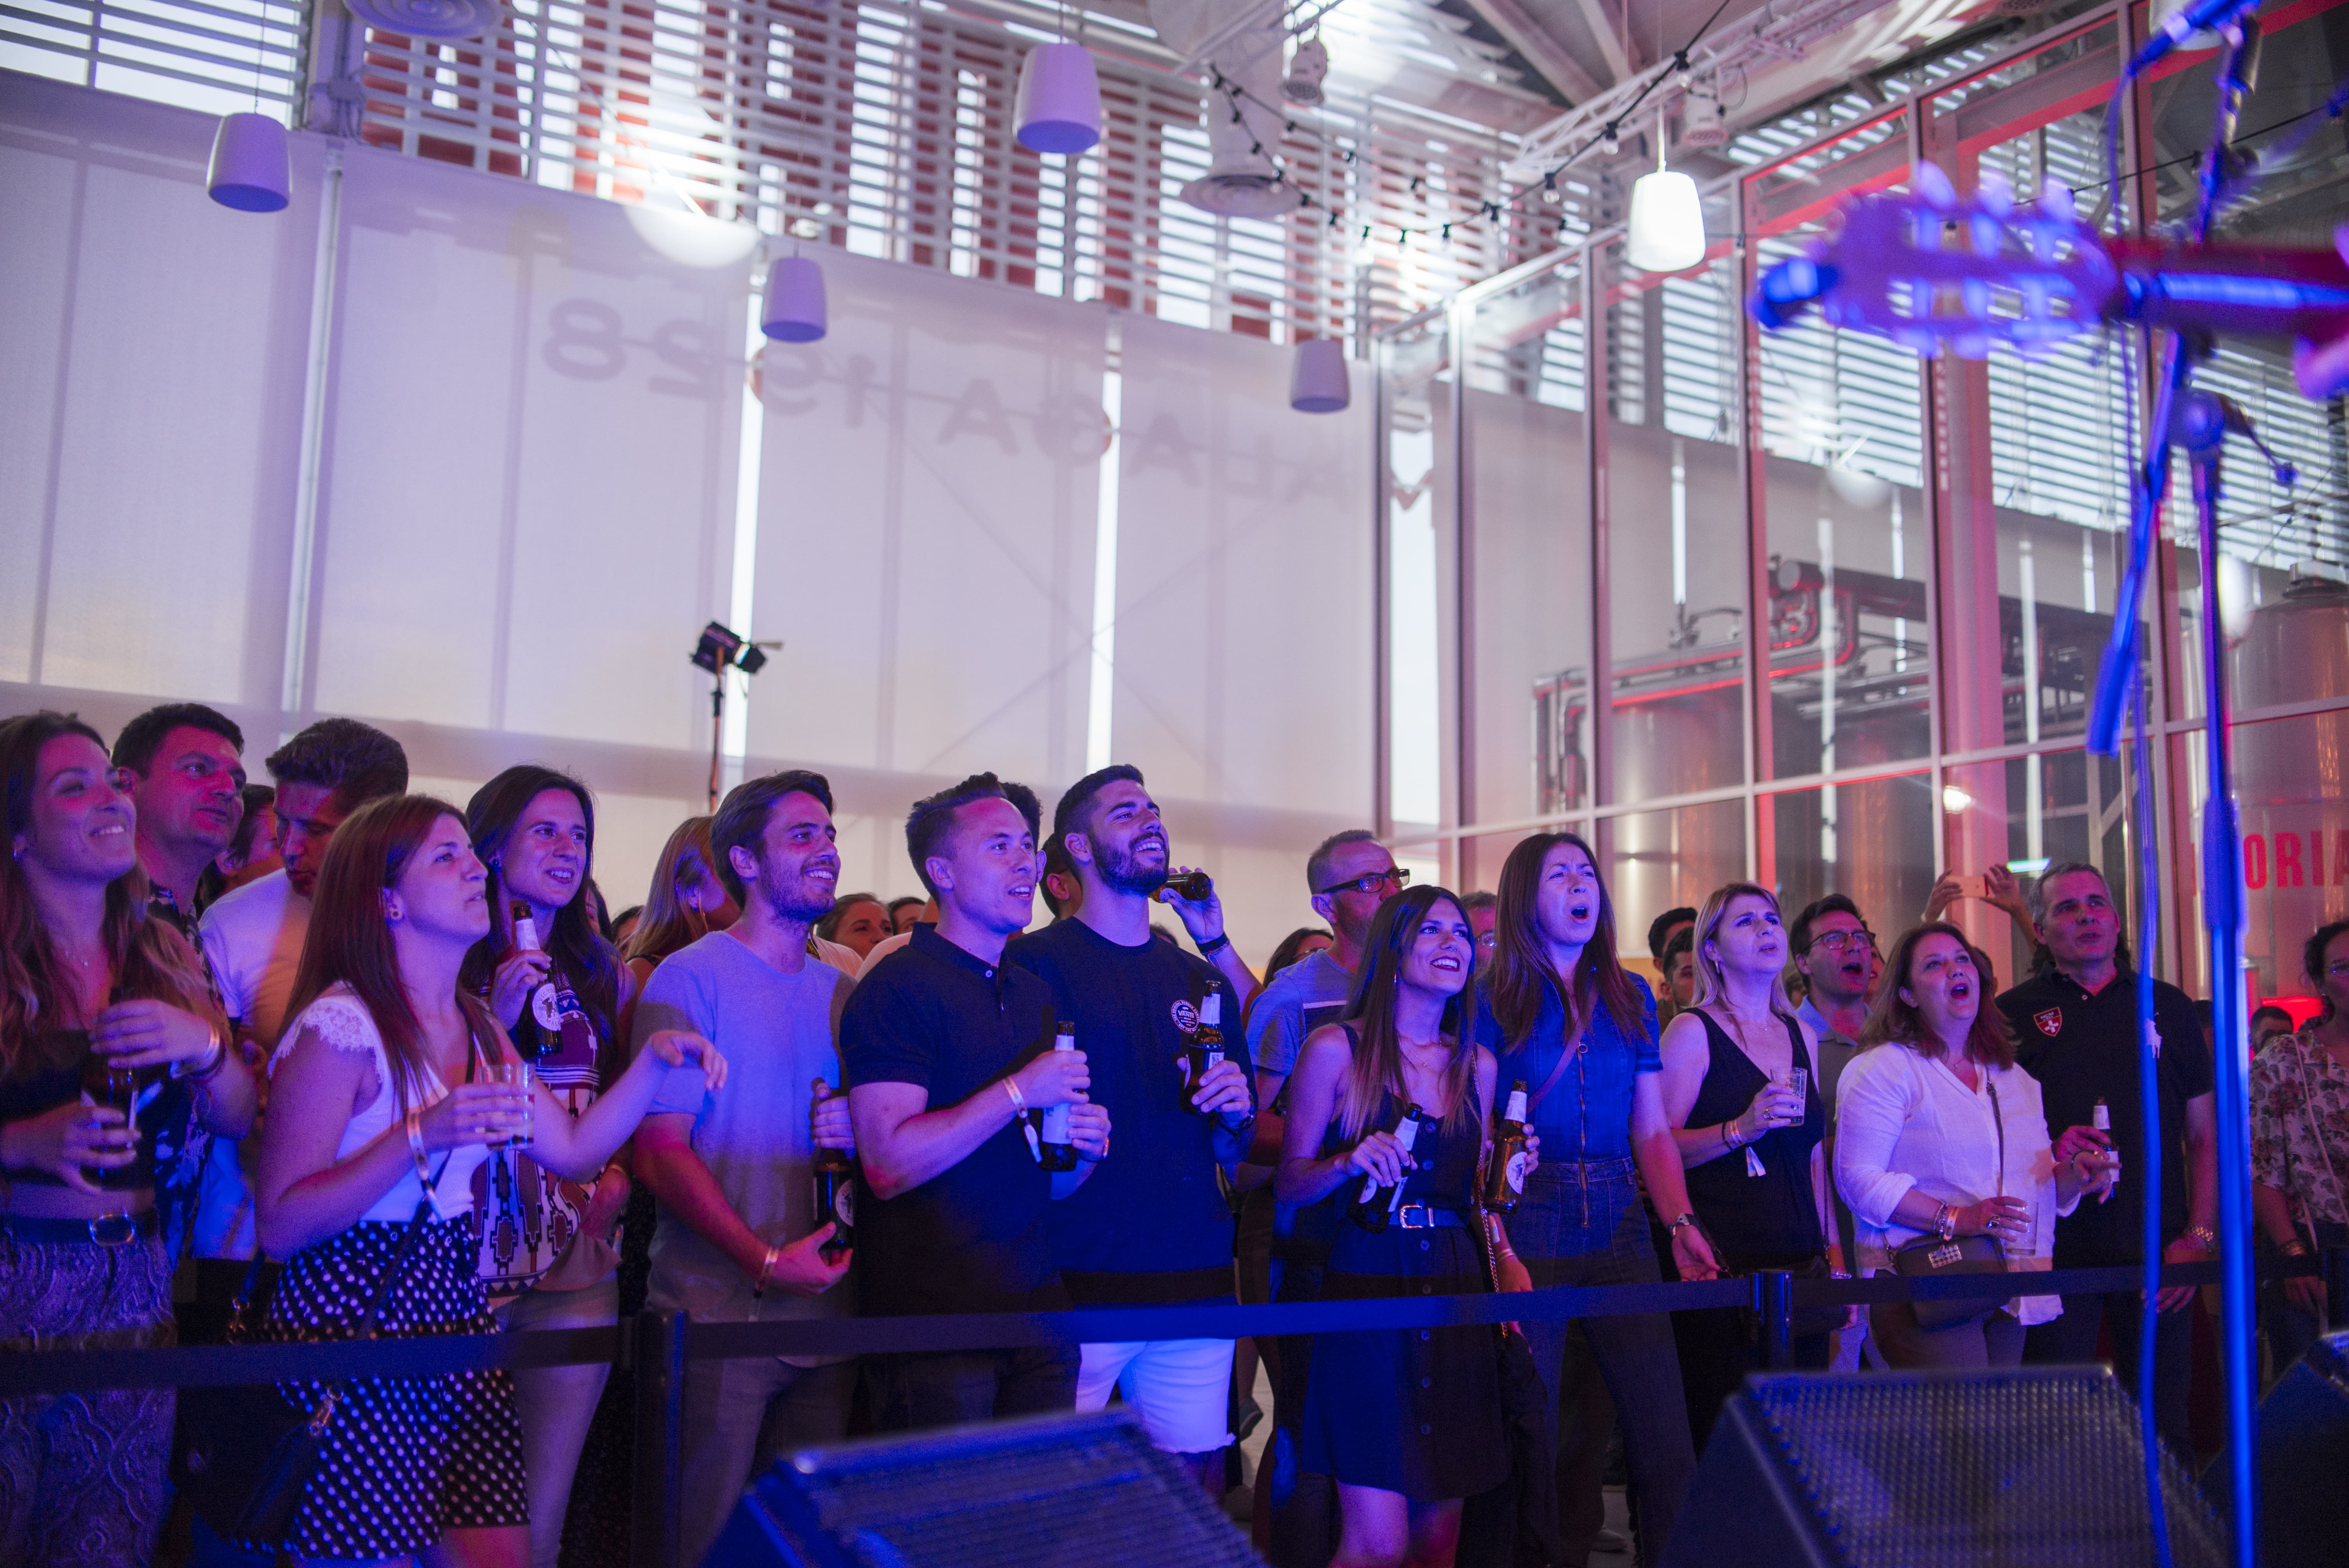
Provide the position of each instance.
(1568, 1050)
(371, 1319)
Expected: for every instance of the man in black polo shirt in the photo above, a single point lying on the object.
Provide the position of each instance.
(1153, 1227)
(2075, 1029)
(948, 1049)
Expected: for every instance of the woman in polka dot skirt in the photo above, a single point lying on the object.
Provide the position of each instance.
(389, 1090)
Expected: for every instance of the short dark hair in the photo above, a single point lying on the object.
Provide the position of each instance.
(1023, 800)
(1477, 900)
(897, 904)
(1832, 903)
(2266, 1008)
(2311, 958)
(829, 926)
(1681, 942)
(135, 748)
(1068, 816)
(1659, 927)
(357, 761)
(1057, 862)
(258, 798)
(742, 818)
(2061, 868)
(932, 819)
(1316, 865)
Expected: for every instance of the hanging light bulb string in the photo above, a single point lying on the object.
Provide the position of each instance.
(1492, 212)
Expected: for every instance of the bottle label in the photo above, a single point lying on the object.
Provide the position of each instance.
(547, 1006)
(1056, 1124)
(843, 1205)
(1515, 1170)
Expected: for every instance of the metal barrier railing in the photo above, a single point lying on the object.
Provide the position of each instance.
(657, 1346)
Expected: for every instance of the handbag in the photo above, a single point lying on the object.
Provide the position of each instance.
(1515, 1524)
(252, 1451)
(1931, 1257)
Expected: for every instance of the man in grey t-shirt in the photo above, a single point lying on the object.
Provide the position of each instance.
(737, 1238)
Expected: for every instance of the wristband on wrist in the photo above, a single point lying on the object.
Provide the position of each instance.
(214, 1059)
(1686, 1219)
(2204, 1237)
(1216, 943)
(1018, 1100)
(766, 1272)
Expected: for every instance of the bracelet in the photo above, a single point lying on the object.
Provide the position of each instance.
(758, 1285)
(2204, 1237)
(1216, 943)
(1945, 1221)
(1018, 1100)
(2294, 1248)
(1509, 1256)
(1730, 1142)
(213, 1062)
(1686, 1219)
(416, 1147)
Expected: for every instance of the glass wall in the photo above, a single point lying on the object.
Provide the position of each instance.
(1923, 556)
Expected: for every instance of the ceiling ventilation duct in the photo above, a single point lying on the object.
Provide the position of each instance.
(1242, 40)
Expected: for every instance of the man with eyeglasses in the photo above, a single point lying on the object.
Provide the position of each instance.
(1349, 876)
(187, 782)
(1836, 954)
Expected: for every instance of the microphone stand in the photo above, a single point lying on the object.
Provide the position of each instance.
(2118, 691)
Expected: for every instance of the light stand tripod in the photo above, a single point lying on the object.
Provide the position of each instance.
(718, 651)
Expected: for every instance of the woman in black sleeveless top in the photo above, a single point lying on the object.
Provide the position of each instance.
(1407, 1421)
(1752, 1145)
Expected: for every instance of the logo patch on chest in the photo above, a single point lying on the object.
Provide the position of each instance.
(1187, 1015)
(2051, 1022)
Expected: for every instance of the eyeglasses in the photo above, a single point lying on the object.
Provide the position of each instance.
(1837, 941)
(1371, 883)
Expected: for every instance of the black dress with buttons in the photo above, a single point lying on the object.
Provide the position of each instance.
(1414, 1410)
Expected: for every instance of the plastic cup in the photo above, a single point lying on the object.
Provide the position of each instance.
(519, 1075)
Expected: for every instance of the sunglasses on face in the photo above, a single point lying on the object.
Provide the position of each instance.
(1371, 883)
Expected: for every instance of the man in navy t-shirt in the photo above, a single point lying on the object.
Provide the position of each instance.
(1152, 1227)
(948, 1052)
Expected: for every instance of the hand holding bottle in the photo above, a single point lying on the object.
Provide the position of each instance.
(1382, 1157)
(828, 1119)
(1053, 1078)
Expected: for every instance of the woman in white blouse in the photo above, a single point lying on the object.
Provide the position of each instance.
(1918, 1140)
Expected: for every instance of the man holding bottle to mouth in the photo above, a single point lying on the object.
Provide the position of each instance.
(1160, 1030)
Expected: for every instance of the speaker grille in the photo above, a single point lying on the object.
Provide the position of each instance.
(1926, 1469)
(1054, 1495)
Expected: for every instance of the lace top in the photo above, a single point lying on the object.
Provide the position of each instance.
(339, 1019)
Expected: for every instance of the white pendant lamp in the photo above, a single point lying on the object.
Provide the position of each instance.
(250, 169)
(1058, 104)
(794, 311)
(1667, 234)
(1317, 378)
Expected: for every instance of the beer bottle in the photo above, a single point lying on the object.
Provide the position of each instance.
(1374, 1206)
(835, 1178)
(1058, 1152)
(1194, 887)
(1504, 1180)
(553, 1006)
(2101, 1119)
(1206, 1049)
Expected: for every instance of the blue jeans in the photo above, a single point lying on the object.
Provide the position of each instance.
(1584, 1224)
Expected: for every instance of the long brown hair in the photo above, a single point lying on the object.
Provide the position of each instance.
(591, 964)
(1376, 1067)
(349, 941)
(1895, 1022)
(667, 925)
(1709, 982)
(1522, 973)
(146, 959)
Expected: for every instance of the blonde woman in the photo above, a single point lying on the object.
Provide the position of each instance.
(1741, 1095)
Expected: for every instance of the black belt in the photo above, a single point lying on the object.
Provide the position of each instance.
(106, 1231)
(1427, 1217)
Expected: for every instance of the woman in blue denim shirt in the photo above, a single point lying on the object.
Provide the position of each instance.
(1563, 1015)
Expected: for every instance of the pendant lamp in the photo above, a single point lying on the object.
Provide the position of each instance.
(1058, 104)
(1317, 378)
(1667, 234)
(250, 169)
(794, 310)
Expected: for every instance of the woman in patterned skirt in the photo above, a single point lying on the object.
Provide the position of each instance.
(386, 1095)
(1407, 1421)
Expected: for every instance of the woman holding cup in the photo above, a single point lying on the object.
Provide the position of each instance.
(389, 1090)
(1750, 1123)
(1938, 1136)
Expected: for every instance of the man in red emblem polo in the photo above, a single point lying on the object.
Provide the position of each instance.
(2051, 1022)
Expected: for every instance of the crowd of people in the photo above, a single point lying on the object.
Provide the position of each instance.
(324, 1059)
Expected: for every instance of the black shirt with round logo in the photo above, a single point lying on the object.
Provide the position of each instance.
(2083, 1048)
(1150, 1224)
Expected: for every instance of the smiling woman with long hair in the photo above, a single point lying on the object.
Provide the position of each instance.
(1938, 1133)
(1566, 1018)
(389, 1086)
(88, 982)
(1407, 1422)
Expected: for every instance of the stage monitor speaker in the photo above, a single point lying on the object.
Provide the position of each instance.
(2034, 1468)
(1053, 1491)
(2303, 1462)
